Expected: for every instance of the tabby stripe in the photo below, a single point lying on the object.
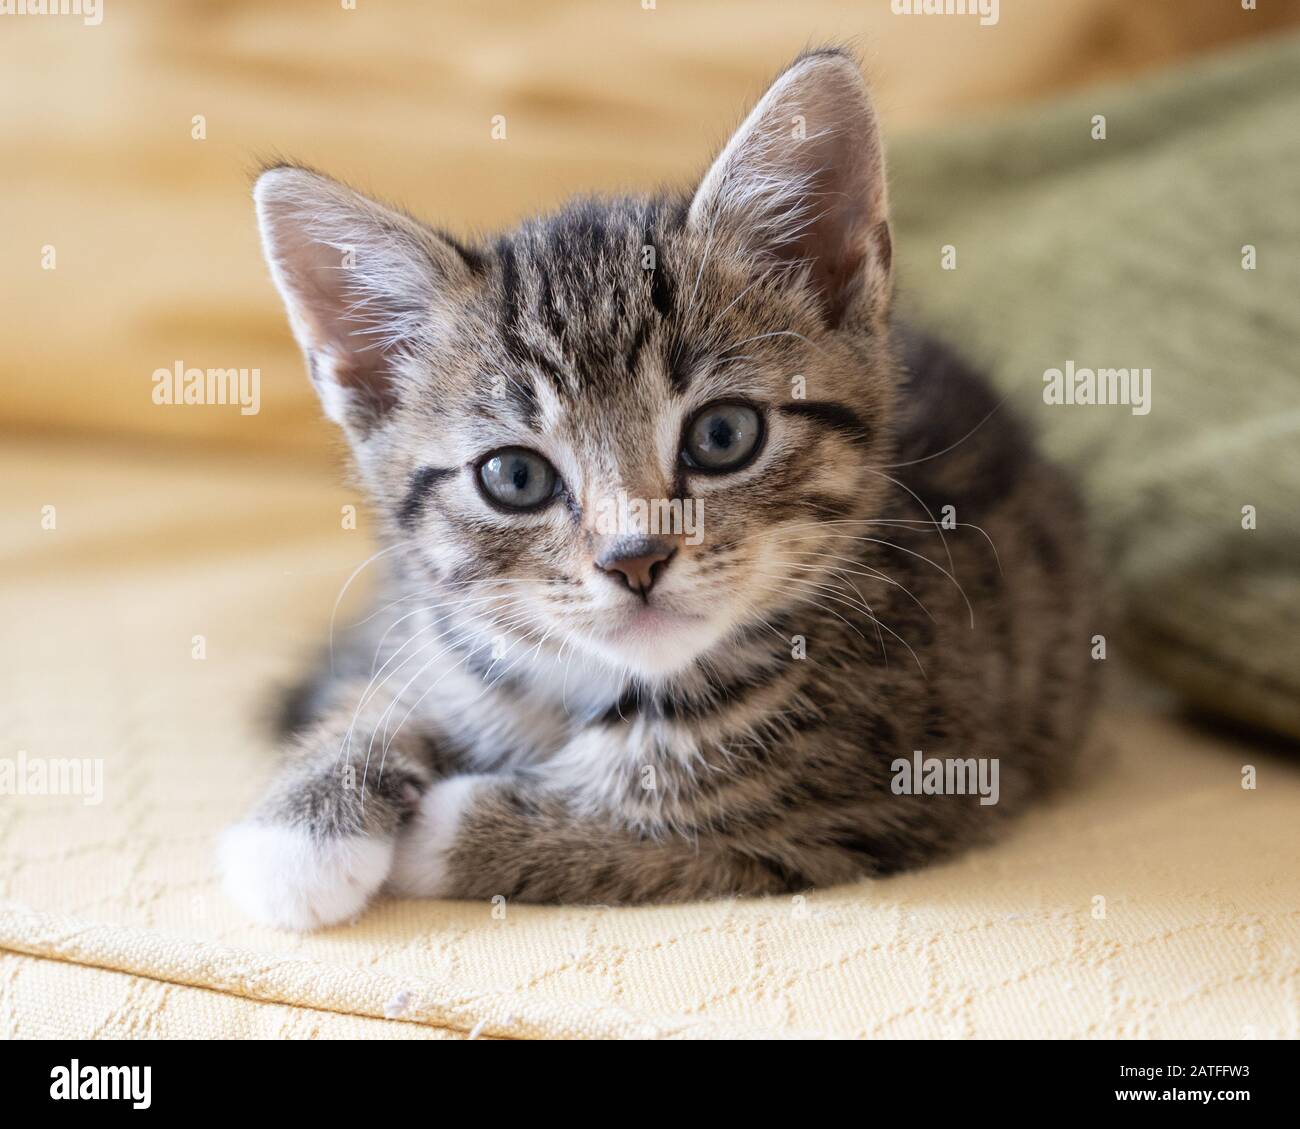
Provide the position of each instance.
(661, 285)
(825, 507)
(661, 288)
(682, 364)
(417, 493)
(881, 855)
(835, 416)
(625, 709)
(550, 311)
(790, 880)
(638, 343)
(512, 338)
(509, 287)
(523, 396)
(719, 696)
(470, 256)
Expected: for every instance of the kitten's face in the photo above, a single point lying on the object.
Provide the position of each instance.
(636, 427)
(589, 371)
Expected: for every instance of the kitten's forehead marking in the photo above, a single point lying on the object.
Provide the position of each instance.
(577, 288)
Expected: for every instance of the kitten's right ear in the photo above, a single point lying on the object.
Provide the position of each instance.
(364, 285)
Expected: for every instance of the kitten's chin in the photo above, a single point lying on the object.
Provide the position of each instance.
(656, 644)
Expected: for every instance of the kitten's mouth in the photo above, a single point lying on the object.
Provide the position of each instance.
(653, 640)
(648, 620)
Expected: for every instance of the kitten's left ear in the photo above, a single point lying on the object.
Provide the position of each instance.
(803, 180)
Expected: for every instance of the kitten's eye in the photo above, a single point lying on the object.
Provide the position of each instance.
(722, 437)
(517, 478)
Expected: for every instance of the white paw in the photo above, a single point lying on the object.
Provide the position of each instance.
(424, 842)
(283, 877)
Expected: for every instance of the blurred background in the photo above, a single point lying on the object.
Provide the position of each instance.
(157, 253)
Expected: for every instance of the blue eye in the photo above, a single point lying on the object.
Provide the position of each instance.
(722, 437)
(517, 478)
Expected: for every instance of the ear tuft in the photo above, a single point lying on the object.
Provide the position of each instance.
(801, 184)
(363, 284)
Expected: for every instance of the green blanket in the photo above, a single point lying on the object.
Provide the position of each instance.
(1127, 252)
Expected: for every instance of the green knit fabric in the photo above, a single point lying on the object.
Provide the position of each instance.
(1127, 252)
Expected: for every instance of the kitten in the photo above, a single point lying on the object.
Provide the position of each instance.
(557, 706)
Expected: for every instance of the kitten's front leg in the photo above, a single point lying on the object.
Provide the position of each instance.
(320, 843)
(483, 836)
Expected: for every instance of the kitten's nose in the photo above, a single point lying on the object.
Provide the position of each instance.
(636, 561)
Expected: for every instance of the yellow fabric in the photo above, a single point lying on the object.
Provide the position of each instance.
(50, 999)
(1199, 937)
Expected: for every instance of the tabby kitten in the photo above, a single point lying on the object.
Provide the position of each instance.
(554, 706)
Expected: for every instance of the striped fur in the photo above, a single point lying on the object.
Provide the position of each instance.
(505, 726)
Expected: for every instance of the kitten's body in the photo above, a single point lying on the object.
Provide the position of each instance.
(512, 724)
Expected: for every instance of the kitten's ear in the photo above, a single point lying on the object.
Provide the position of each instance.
(363, 284)
(803, 180)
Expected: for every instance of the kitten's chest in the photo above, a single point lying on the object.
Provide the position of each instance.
(518, 721)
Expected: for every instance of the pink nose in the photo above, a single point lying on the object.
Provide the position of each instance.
(636, 561)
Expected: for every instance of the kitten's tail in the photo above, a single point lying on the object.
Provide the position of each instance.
(295, 704)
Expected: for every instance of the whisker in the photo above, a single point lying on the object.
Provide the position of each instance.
(926, 458)
(383, 718)
(777, 333)
(348, 584)
(784, 579)
(387, 741)
(865, 608)
(910, 552)
(903, 521)
(928, 513)
(872, 574)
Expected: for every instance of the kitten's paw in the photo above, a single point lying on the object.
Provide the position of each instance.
(281, 876)
(420, 867)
